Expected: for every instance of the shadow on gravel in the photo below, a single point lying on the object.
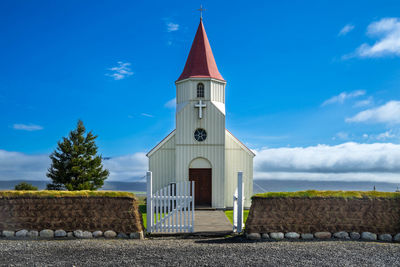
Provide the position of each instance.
(242, 239)
(225, 240)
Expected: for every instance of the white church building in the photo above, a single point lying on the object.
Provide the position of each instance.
(201, 149)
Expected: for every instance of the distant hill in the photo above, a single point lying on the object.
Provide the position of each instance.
(9, 185)
(116, 186)
(259, 186)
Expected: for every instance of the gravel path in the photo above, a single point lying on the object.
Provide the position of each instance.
(189, 252)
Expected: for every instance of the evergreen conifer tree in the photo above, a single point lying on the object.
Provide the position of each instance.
(75, 163)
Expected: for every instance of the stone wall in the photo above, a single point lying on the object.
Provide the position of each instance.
(310, 215)
(120, 214)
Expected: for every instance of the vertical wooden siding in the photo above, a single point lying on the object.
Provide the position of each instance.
(162, 164)
(237, 159)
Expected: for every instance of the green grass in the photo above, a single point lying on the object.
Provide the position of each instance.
(143, 211)
(55, 194)
(229, 215)
(329, 194)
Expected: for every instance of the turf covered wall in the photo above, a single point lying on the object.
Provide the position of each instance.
(310, 215)
(87, 213)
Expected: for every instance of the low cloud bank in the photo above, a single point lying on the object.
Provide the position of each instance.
(129, 168)
(348, 161)
(345, 162)
(20, 166)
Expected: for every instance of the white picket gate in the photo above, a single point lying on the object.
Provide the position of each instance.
(238, 201)
(170, 209)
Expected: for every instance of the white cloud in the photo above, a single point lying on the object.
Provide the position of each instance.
(387, 113)
(27, 127)
(342, 97)
(346, 29)
(121, 71)
(364, 103)
(385, 135)
(172, 27)
(171, 103)
(129, 168)
(20, 166)
(341, 135)
(387, 30)
(345, 177)
(147, 115)
(347, 161)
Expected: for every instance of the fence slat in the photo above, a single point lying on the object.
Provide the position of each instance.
(188, 205)
(161, 209)
(186, 210)
(157, 210)
(149, 196)
(240, 203)
(164, 210)
(180, 206)
(193, 185)
(171, 208)
(235, 211)
(183, 207)
(176, 207)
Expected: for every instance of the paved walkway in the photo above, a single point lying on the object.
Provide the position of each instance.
(208, 221)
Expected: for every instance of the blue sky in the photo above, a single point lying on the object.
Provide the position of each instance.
(320, 76)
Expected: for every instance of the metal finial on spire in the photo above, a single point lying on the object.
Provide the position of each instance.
(201, 9)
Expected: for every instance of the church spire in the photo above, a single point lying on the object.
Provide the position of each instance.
(200, 62)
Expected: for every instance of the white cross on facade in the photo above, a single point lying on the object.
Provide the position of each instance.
(200, 105)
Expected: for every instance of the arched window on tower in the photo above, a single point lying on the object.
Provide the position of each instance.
(200, 90)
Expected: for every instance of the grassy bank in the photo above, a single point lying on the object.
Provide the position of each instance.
(229, 215)
(143, 209)
(329, 194)
(55, 194)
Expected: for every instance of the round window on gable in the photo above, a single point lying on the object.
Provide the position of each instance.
(200, 90)
(200, 135)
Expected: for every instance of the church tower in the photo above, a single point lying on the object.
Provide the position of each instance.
(200, 121)
(200, 149)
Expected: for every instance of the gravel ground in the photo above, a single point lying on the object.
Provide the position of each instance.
(189, 252)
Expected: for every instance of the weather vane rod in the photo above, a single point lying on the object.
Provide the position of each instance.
(201, 9)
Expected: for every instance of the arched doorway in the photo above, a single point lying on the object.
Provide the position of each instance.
(200, 171)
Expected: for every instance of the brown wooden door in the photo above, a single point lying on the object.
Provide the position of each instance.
(202, 188)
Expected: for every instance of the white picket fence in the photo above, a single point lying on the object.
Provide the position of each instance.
(238, 202)
(170, 209)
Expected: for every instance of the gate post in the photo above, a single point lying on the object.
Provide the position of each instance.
(235, 210)
(149, 204)
(240, 202)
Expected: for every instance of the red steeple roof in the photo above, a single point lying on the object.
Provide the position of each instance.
(200, 62)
